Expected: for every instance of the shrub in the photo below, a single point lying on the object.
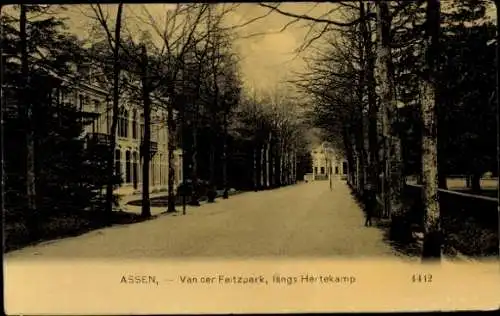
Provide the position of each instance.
(469, 237)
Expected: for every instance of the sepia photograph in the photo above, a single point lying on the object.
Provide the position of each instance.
(267, 151)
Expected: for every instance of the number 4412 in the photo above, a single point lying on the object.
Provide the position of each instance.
(422, 278)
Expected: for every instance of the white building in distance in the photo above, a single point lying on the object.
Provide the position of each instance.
(326, 161)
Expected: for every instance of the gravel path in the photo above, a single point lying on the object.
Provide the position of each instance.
(304, 220)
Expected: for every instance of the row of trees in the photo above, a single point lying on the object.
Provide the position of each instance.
(186, 67)
(387, 77)
(274, 134)
(196, 72)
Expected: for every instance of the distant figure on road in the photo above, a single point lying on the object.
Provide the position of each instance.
(370, 202)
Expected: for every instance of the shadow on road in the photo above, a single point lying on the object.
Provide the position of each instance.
(63, 225)
(409, 248)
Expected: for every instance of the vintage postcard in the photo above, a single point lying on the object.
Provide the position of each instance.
(268, 157)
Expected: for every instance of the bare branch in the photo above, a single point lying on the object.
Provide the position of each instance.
(309, 18)
(103, 21)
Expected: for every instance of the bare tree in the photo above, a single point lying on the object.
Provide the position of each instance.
(223, 84)
(181, 33)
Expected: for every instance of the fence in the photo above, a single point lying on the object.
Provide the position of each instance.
(456, 204)
(469, 222)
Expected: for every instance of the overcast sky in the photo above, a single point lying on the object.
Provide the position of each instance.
(266, 59)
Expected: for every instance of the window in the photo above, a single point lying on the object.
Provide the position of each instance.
(322, 170)
(134, 124)
(65, 96)
(336, 170)
(123, 123)
(161, 167)
(120, 123)
(152, 171)
(117, 162)
(154, 133)
(316, 170)
(97, 106)
(109, 118)
(81, 98)
(128, 171)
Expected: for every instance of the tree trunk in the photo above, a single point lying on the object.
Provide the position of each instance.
(476, 182)
(295, 166)
(146, 144)
(282, 157)
(194, 168)
(27, 105)
(254, 168)
(26, 113)
(182, 131)
(372, 101)
(384, 95)
(272, 163)
(393, 175)
(262, 165)
(432, 229)
(497, 7)
(212, 190)
(361, 152)
(288, 167)
(275, 165)
(116, 100)
(268, 154)
(225, 195)
(442, 181)
(284, 167)
(358, 174)
(349, 155)
(211, 193)
(171, 160)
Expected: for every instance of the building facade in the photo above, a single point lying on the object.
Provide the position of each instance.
(326, 161)
(96, 104)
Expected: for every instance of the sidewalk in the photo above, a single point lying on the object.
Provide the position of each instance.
(136, 209)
